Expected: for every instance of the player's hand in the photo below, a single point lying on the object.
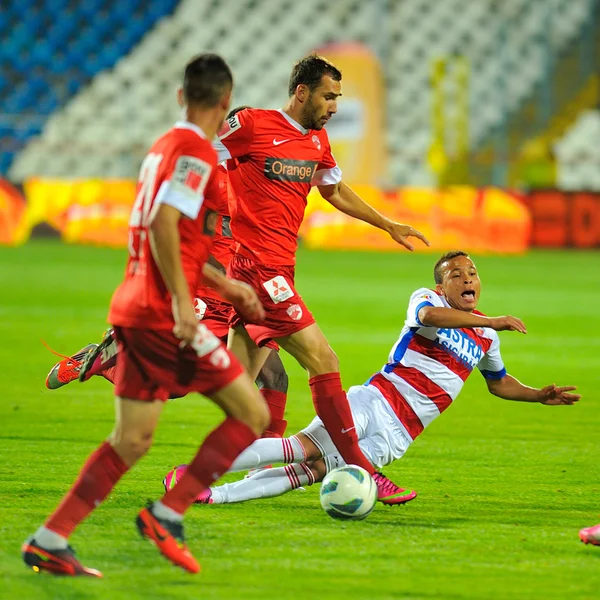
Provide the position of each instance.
(552, 395)
(399, 233)
(245, 300)
(186, 322)
(507, 323)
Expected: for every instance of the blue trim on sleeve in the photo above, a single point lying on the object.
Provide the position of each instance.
(493, 374)
(426, 303)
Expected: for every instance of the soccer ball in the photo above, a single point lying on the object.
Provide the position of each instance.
(348, 493)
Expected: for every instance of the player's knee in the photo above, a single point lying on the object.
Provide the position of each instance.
(131, 446)
(273, 377)
(255, 415)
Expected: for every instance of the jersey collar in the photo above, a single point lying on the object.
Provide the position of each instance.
(191, 127)
(292, 122)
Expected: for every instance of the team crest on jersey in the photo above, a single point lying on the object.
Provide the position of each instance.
(316, 141)
(192, 173)
(278, 289)
(199, 308)
(479, 331)
(294, 312)
(229, 126)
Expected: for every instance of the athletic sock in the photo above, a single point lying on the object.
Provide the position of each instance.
(276, 402)
(266, 451)
(164, 512)
(214, 458)
(49, 539)
(265, 484)
(96, 480)
(331, 404)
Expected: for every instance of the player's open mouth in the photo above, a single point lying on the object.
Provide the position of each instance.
(470, 294)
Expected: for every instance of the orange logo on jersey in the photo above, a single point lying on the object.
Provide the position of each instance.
(287, 169)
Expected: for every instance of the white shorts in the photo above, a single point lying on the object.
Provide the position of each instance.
(381, 436)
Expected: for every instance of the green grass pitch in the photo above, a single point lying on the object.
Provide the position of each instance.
(503, 486)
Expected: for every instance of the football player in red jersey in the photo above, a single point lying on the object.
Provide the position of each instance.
(274, 158)
(211, 309)
(163, 350)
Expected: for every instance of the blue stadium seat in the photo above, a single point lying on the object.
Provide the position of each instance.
(51, 48)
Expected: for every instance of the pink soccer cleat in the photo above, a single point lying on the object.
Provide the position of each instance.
(590, 535)
(389, 493)
(172, 477)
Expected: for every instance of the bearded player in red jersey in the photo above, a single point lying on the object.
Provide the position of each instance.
(211, 309)
(163, 350)
(274, 158)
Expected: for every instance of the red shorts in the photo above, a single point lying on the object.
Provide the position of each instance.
(215, 314)
(285, 310)
(152, 366)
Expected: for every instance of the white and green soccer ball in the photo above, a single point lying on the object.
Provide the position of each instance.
(348, 493)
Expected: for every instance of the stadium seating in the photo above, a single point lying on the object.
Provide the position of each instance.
(578, 154)
(105, 129)
(53, 48)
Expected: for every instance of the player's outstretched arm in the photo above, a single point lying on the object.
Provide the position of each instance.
(451, 318)
(165, 244)
(242, 296)
(347, 201)
(511, 388)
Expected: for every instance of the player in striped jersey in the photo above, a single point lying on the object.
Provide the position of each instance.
(443, 340)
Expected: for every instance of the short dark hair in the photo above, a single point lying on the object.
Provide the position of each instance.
(309, 72)
(438, 276)
(206, 79)
(236, 110)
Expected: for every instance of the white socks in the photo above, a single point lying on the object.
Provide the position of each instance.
(264, 484)
(266, 451)
(50, 540)
(164, 512)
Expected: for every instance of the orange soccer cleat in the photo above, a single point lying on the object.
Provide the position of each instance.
(168, 538)
(68, 368)
(56, 562)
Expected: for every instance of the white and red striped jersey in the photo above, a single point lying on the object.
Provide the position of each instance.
(427, 366)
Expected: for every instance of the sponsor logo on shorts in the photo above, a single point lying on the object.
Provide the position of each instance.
(287, 169)
(294, 312)
(226, 226)
(205, 341)
(200, 308)
(278, 289)
(220, 358)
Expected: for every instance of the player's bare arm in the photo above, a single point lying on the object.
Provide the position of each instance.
(452, 318)
(347, 201)
(510, 388)
(165, 244)
(242, 296)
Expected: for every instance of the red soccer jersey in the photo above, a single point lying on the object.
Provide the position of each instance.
(178, 171)
(277, 163)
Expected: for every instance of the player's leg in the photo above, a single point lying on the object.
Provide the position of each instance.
(247, 416)
(311, 349)
(131, 438)
(272, 381)
(266, 484)
(246, 351)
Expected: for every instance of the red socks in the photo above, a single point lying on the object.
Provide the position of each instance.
(331, 404)
(214, 458)
(96, 480)
(276, 402)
